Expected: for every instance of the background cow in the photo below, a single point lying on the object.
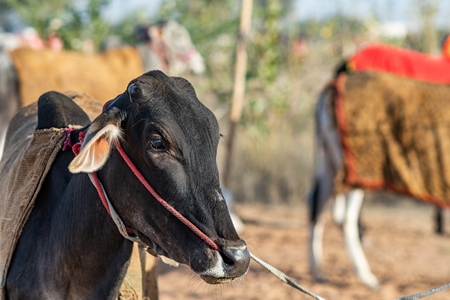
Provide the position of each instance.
(370, 129)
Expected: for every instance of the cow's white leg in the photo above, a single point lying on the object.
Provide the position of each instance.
(316, 248)
(352, 241)
(339, 209)
(317, 203)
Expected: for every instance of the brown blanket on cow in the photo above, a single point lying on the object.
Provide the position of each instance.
(24, 165)
(22, 176)
(103, 75)
(396, 135)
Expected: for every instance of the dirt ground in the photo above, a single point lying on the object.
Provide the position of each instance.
(404, 253)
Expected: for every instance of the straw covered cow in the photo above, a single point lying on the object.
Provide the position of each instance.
(380, 129)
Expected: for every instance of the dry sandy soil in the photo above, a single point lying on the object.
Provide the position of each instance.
(405, 255)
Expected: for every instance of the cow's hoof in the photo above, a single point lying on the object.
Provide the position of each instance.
(318, 276)
(369, 280)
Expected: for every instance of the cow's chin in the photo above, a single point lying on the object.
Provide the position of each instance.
(152, 247)
(215, 280)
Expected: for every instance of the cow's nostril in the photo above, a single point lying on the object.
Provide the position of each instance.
(226, 256)
(236, 256)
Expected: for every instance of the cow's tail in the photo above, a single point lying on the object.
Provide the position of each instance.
(315, 203)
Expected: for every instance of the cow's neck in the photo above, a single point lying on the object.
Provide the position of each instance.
(80, 252)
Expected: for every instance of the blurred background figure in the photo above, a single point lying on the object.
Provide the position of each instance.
(237, 222)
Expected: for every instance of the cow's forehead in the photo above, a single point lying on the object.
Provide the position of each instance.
(186, 117)
(172, 103)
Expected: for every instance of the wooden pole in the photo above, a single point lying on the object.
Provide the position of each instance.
(239, 86)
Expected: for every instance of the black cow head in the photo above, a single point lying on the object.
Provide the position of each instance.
(172, 138)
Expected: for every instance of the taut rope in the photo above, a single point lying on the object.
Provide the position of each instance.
(283, 277)
(425, 293)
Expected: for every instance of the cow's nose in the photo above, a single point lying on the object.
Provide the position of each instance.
(236, 259)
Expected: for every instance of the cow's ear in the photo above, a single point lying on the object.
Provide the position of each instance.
(97, 145)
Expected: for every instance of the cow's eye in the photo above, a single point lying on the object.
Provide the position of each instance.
(157, 143)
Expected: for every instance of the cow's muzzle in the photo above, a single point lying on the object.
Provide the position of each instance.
(231, 263)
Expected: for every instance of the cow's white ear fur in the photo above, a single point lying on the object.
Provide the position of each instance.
(95, 152)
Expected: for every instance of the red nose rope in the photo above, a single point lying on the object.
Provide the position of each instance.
(280, 275)
(140, 177)
(166, 205)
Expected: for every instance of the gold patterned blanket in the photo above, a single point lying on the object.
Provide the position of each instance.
(395, 134)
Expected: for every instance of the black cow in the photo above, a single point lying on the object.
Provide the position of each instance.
(70, 248)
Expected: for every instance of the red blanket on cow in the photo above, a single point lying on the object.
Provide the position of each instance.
(401, 62)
